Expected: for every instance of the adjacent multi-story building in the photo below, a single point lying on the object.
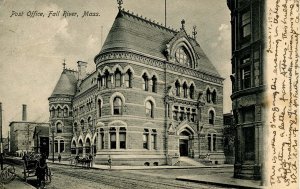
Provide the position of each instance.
(21, 136)
(154, 97)
(248, 85)
(229, 138)
(22, 132)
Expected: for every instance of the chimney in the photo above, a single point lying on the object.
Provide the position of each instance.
(81, 70)
(24, 113)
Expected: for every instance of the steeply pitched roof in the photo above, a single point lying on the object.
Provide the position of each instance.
(130, 32)
(133, 33)
(204, 64)
(66, 84)
(88, 82)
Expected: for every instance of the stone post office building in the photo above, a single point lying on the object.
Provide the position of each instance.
(153, 97)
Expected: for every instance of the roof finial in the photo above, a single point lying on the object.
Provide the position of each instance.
(182, 24)
(64, 64)
(120, 2)
(194, 32)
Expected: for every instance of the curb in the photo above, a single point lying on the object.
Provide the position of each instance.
(219, 183)
(146, 168)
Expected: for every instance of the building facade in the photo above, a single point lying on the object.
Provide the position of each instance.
(41, 139)
(248, 85)
(21, 136)
(229, 138)
(153, 98)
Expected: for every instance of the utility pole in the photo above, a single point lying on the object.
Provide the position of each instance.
(27, 146)
(52, 129)
(1, 139)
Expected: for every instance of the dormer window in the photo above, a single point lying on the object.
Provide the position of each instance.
(182, 57)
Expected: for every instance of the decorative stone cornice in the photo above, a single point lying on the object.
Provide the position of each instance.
(59, 99)
(181, 101)
(125, 55)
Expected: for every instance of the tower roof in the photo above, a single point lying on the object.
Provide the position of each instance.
(66, 84)
(134, 33)
(130, 32)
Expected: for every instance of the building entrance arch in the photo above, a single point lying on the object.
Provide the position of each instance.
(185, 142)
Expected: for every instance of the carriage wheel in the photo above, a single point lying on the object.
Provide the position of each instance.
(48, 175)
(24, 171)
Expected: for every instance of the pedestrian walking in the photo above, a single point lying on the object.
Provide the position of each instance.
(109, 161)
(91, 160)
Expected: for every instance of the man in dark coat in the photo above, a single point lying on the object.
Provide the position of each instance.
(41, 171)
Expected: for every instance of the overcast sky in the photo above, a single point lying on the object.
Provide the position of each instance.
(32, 49)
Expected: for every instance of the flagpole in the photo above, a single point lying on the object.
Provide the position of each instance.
(165, 13)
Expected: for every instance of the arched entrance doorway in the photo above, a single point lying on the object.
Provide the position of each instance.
(88, 146)
(185, 142)
(73, 148)
(80, 147)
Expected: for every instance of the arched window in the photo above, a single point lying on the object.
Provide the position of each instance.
(99, 81)
(107, 79)
(117, 103)
(75, 129)
(80, 147)
(88, 146)
(145, 83)
(192, 91)
(56, 146)
(185, 90)
(52, 112)
(95, 145)
(154, 84)
(146, 139)
(182, 57)
(149, 109)
(214, 97)
(59, 111)
(208, 96)
(118, 78)
(211, 118)
(90, 123)
(61, 146)
(212, 141)
(82, 124)
(65, 112)
(73, 148)
(154, 139)
(99, 105)
(122, 137)
(59, 128)
(113, 139)
(101, 138)
(177, 87)
(128, 78)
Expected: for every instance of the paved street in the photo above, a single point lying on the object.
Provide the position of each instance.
(77, 177)
(71, 177)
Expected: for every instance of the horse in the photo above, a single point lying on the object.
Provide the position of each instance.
(85, 161)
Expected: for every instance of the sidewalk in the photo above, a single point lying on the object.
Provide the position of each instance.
(17, 183)
(222, 180)
(106, 167)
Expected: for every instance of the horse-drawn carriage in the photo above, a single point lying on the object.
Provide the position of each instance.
(84, 161)
(35, 165)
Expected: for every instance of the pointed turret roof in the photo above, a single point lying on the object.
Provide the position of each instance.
(66, 84)
(134, 33)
